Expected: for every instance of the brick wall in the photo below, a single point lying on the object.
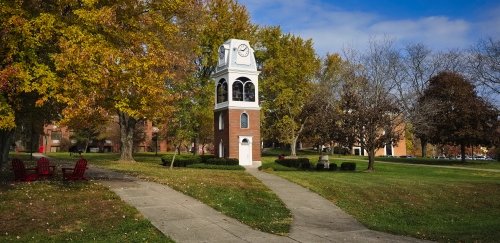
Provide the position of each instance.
(232, 130)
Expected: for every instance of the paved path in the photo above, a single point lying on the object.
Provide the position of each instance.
(181, 217)
(185, 219)
(316, 219)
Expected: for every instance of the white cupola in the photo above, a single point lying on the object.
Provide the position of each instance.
(236, 76)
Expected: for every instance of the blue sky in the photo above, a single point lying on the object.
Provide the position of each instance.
(336, 24)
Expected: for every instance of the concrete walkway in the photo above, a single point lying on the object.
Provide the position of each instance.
(182, 218)
(316, 219)
(185, 219)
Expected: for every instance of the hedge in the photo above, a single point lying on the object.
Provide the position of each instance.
(276, 167)
(216, 167)
(348, 166)
(206, 157)
(222, 161)
(321, 166)
(185, 160)
(301, 163)
(180, 160)
(333, 167)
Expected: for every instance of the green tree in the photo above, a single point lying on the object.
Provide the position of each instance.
(452, 113)
(29, 86)
(289, 65)
(126, 56)
(88, 123)
(323, 125)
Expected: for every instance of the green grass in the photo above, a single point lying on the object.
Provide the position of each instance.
(55, 211)
(423, 202)
(234, 193)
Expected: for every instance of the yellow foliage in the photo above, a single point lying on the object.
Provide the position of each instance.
(7, 118)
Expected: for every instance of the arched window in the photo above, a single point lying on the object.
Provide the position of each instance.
(221, 91)
(238, 91)
(244, 120)
(244, 141)
(249, 91)
(243, 90)
(221, 121)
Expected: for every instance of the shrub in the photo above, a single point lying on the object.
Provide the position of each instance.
(333, 167)
(348, 166)
(223, 161)
(320, 166)
(216, 167)
(276, 167)
(301, 163)
(180, 160)
(206, 157)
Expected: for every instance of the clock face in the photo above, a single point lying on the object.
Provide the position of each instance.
(243, 50)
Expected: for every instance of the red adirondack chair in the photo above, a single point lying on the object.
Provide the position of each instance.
(76, 173)
(44, 169)
(21, 172)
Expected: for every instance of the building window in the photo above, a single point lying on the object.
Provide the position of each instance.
(388, 149)
(244, 120)
(221, 121)
(55, 136)
(221, 91)
(221, 149)
(244, 141)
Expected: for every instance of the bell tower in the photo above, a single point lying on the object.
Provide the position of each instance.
(237, 110)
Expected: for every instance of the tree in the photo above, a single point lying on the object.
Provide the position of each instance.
(322, 126)
(484, 64)
(87, 122)
(127, 56)
(418, 65)
(178, 129)
(371, 115)
(289, 64)
(455, 115)
(28, 82)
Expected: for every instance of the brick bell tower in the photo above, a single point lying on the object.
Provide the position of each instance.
(237, 111)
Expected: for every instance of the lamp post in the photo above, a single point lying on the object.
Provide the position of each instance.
(155, 139)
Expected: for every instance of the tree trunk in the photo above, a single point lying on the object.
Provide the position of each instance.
(462, 152)
(295, 138)
(86, 145)
(127, 126)
(371, 160)
(5, 140)
(196, 146)
(173, 158)
(423, 144)
(293, 146)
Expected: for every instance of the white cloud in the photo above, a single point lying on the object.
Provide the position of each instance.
(332, 28)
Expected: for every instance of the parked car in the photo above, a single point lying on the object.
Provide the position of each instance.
(407, 156)
(459, 157)
(479, 157)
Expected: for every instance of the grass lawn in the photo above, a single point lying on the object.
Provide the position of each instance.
(56, 211)
(424, 202)
(234, 193)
